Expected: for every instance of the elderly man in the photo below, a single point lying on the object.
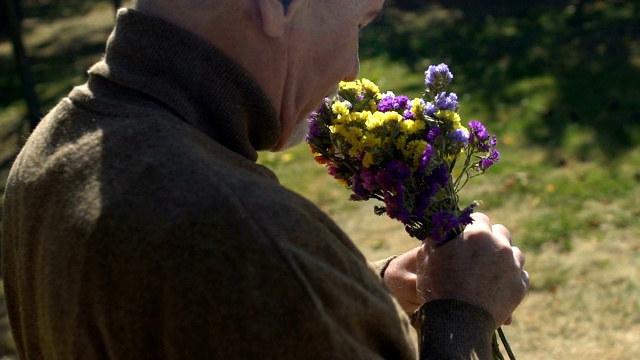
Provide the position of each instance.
(138, 225)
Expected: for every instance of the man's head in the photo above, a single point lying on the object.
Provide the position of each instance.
(297, 50)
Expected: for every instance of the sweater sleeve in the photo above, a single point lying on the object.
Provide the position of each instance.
(381, 266)
(454, 329)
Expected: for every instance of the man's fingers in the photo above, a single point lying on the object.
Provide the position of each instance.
(525, 279)
(520, 260)
(518, 256)
(501, 231)
(480, 221)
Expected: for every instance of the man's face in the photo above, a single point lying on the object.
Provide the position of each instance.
(324, 51)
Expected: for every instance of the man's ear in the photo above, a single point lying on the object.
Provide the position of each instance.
(275, 16)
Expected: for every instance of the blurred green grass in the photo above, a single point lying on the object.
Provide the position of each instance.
(552, 67)
(556, 80)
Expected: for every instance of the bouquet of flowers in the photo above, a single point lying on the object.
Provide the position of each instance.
(404, 153)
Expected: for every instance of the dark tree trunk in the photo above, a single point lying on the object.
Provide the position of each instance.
(10, 17)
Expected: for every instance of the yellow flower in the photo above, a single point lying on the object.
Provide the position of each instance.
(336, 129)
(340, 108)
(417, 108)
(343, 182)
(378, 119)
(367, 160)
(401, 142)
(374, 121)
(352, 134)
(369, 140)
(352, 138)
(413, 152)
(392, 117)
(372, 105)
(354, 151)
(369, 86)
(350, 86)
(451, 116)
(410, 127)
(358, 118)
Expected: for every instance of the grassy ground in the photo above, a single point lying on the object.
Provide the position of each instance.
(583, 251)
(556, 81)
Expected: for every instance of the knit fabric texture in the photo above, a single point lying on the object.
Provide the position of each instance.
(138, 225)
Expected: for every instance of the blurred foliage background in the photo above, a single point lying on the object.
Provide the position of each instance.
(584, 56)
(557, 80)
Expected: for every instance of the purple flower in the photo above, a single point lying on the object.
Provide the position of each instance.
(393, 103)
(465, 216)
(460, 136)
(440, 175)
(437, 179)
(430, 110)
(408, 113)
(426, 157)
(386, 104)
(437, 78)
(395, 205)
(494, 141)
(401, 102)
(421, 204)
(447, 102)
(486, 162)
(394, 174)
(432, 135)
(358, 188)
(334, 171)
(443, 223)
(483, 141)
(368, 179)
(478, 131)
(314, 128)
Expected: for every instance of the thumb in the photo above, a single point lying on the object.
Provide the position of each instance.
(423, 252)
(429, 246)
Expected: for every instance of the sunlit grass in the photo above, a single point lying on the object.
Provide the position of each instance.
(575, 218)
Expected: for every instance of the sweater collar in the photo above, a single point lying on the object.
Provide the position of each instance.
(194, 79)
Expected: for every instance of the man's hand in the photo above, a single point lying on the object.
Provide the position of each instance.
(480, 267)
(400, 278)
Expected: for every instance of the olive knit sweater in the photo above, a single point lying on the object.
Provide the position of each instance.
(138, 225)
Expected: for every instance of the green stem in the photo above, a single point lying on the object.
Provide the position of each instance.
(505, 343)
(495, 349)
